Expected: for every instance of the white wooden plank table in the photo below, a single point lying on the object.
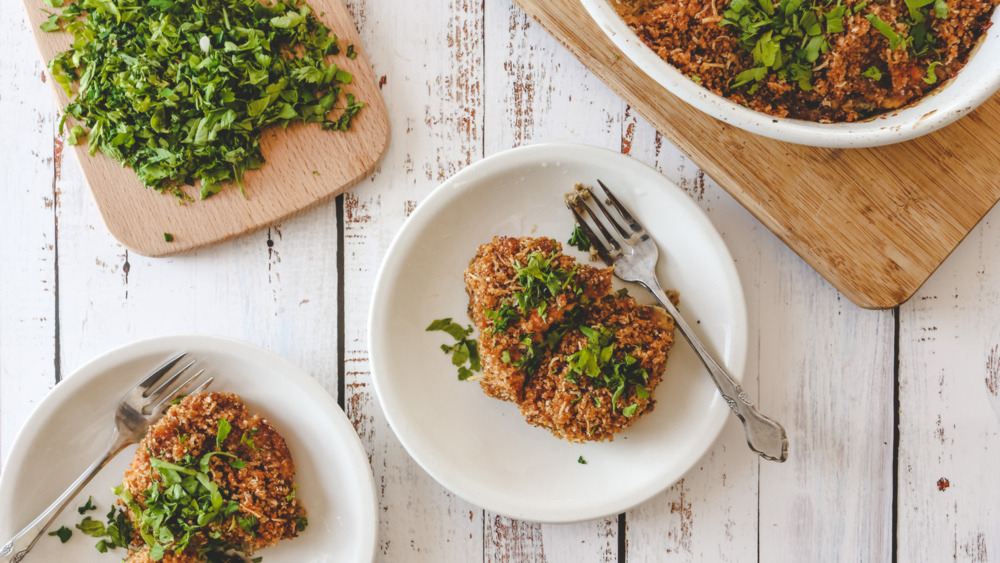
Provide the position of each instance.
(892, 415)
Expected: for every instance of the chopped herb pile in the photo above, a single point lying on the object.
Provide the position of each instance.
(180, 90)
(465, 350)
(596, 361)
(786, 39)
(186, 503)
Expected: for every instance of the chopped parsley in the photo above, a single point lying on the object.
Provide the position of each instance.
(184, 501)
(167, 237)
(581, 461)
(502, 317)
(895, 40)
(63, 533)
(578, 239)
(87, 507)
(180, 91)
(931, 77)
(873, 72)
(786, 39)
(465, 350)
(597, 361)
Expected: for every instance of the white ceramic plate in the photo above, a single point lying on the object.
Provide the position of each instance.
(481, 448)
(72, 425)
(972, 86)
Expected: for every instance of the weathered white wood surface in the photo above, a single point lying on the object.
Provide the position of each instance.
(462, 80)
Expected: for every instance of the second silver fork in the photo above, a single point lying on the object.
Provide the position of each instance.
(633, 254)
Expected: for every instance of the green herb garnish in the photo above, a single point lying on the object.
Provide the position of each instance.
(579, 238)
(931, 77)
(597, 361)
(87, 507)
(785, 40)
(873, 72)
(502, 317)
(247, 438)
(895, 40)
(180, 91)
(581, 461)
(63, 533)
(465, 350)
(542, 281)
(167, 237)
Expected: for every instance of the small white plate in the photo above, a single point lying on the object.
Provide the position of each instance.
(481, 448)
(73, 424)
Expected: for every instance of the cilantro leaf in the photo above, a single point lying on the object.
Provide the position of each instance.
(885, 29)
(63, 533)
(465, 350)
(873, 72)
(931, 77)
(579, 239)
(87, 507)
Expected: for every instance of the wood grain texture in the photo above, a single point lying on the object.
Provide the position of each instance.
(28, 284)
(874, 222)
(687, 522)
(305, 165)
(429, 59)
(949, 416)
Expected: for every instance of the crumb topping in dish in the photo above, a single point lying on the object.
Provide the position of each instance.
(817, 60)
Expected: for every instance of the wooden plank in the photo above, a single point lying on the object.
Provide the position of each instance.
(300, 172)
(28, 291)
(889, 216)
(949, 408)
(711, 513)
(428, 57)
(826, 371)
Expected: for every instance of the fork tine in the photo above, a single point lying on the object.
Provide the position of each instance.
(598, 245)
(159, 372)
(611, 240)
(162, 388)
(614, 222)
(182, 390)
(632, 223)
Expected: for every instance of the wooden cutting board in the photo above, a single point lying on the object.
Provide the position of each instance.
(305, 165)
(874, 222)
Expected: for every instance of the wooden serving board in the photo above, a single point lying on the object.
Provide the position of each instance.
(874, 222)
(305, 165)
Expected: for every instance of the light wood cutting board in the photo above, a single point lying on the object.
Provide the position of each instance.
(874, 222)
(305, 165)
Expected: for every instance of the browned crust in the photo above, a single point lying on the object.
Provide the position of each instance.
(580, 411)
(263, 487)
(686, 34)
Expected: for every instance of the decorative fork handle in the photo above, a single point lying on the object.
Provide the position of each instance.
(764, 435)
(17, 548)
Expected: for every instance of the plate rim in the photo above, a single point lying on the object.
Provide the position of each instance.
(523, 156)
(94, 367)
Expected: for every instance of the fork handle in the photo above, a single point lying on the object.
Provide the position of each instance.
(17, 548)
(764, 435)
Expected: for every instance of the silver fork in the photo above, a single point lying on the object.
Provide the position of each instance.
(140, 407)
(633, 254)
